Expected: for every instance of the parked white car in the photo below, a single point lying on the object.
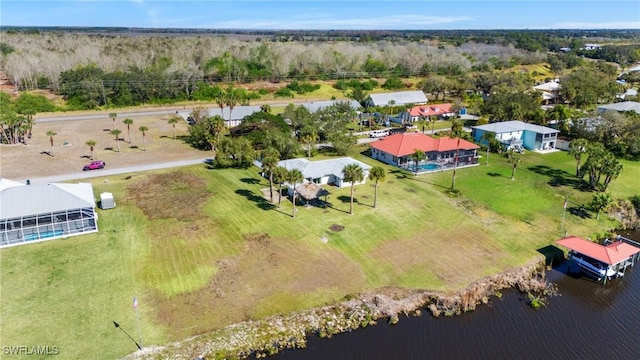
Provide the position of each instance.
(378, 133)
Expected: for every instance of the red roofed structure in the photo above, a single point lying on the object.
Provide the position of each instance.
(425, 111)
(611, 254)
(440, 153)
(602, 261)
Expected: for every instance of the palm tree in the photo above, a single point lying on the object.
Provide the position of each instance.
(488, 136)
(561, 114)
(417, 156)
(91, 144)
(455, 165)
(280, 176)
(514, 159)
(113, 117)
(51, 134)
(270, 158)
(128, 122)
(600, 202)
(173, 121)
(309, 137)
(231, 99)
(143, 130)
(433, 119)
(578, 147)
(294, 176)
(611, 169)
(352, 173)
(377, 173)
(217, 126)
(116, 132)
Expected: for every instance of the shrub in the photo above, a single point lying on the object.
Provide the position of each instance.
(393, 83)
(284, 92)
(303, 87)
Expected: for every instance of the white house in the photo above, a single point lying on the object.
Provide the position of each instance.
(322, 172)
(550, 91)
(397, 98)
(32, 213)
(591, 47)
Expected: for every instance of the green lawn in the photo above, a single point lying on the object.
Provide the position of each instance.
(202, 248)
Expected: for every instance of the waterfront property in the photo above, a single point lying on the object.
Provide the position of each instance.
(323, 172)
(397, 98)
(31, 213)
(518, 135)
(440, 153)
(602, 262)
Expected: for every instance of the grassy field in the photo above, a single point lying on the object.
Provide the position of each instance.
(203, 248)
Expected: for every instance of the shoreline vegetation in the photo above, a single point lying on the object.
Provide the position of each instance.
(271, 335)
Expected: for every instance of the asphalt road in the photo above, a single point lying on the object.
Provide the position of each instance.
(108, 172)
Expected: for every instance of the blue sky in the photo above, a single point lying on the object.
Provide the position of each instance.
(321, 14)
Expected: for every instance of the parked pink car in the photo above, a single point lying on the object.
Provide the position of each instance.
(94, 165)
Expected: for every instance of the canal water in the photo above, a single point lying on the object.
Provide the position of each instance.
(586, 321)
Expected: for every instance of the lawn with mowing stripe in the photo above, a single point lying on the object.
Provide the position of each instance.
(537, 194)
(203, 248)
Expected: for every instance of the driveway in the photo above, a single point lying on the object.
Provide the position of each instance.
(118, 171)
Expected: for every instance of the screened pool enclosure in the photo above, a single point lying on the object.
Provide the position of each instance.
(31, 213)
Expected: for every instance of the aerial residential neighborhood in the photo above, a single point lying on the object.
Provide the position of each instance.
(249, 184)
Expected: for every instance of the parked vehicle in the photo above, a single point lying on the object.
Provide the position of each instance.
(94, 165)
(378, 133)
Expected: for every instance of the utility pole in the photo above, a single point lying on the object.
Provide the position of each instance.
(104, 94)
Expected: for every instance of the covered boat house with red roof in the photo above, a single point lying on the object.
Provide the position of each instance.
(442, 153)
(601, 261)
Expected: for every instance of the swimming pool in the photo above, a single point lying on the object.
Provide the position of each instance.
(429, 167)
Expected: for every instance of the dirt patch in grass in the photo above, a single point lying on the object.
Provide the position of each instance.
(266, 268)
(183, 196)
(449, 257)
(30, 161)
(336, 228)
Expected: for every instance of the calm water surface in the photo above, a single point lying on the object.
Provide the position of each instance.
(587, 321)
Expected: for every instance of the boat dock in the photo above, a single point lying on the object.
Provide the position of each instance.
(603, 262)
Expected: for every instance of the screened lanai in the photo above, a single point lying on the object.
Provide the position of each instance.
(40, 212)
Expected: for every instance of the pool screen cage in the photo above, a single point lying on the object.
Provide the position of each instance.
(47, 226)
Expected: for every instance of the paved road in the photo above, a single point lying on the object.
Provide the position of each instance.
(117, 171)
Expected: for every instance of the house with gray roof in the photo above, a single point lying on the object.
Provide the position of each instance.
(231, 117)
(32, 213)
(517, 135)
(314, 106)
(322, 172)
(397, 98)
(620, 106)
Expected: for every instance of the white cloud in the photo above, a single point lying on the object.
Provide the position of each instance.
(326, 22)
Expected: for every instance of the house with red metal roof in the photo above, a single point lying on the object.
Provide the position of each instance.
(419, 112)
(441, 153)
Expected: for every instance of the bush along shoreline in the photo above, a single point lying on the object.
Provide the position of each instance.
(268, 336)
